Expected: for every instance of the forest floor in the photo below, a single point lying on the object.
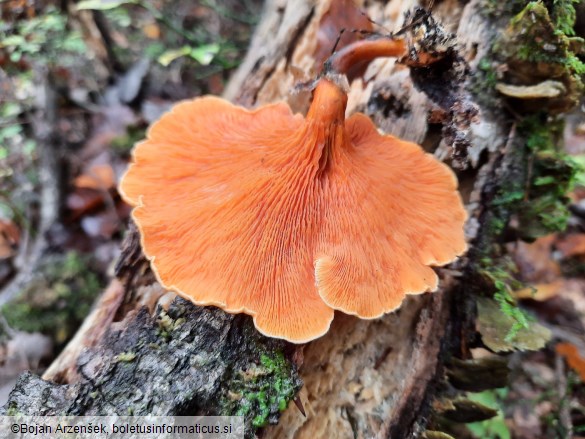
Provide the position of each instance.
(82, 83)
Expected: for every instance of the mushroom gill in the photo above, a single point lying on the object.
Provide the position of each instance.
(287, 218)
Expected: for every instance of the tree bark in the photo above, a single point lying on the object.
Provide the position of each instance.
(142, 351)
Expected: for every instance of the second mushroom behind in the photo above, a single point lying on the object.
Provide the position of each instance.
(288, 218)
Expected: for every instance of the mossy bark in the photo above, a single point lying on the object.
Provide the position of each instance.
(137, 354)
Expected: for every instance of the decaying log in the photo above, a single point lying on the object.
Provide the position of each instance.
(176, 363)
(139, 353)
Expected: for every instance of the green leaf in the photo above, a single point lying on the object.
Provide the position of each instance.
(12, 40)
(74, 43)
(10, 131)
(10, 109)
(495, 428)
(102, 5)
(580, 177)
(543, 181)
(6, 210)
(170, 55)
(154, 50)
(205, 54)
(29, 147)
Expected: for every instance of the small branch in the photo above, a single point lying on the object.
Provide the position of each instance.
(102, 26)
(564, 407)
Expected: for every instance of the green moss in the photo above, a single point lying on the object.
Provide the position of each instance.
(489, 72)
(272, 390)
(484, 81)
(531, 195)
(57, 300)
(531, 36)
(537, 45)
(260, 391)
(166, 325)
(494, 428)
(12, 410)
(551, 175)
(501, 274)
(564, 15)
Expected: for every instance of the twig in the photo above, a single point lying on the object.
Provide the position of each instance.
(564, 407)
(102, 26)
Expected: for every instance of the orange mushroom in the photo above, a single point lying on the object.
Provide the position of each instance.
(288, 218)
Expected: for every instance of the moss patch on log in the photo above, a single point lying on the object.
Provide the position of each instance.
(550, 176)
(534, 175)
(261, 389)
(196, 367)
(531, 201)
(537, 46)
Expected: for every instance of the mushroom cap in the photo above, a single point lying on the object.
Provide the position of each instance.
(287, 218)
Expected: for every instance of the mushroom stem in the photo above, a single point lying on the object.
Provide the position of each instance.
(364, 51)
(329, 102)
(327, 117)
(327, 111)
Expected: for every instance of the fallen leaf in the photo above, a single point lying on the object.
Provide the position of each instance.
(83, 201)
(541, 292)
(342, 14)
(572, 245)
(152, 31)
(99, 177)
(204, 54)
(538, 268)
(535, 262)
(170, 55)
(573, 357)
(9, 237)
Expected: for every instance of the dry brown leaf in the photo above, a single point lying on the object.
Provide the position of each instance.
(541, 292)
(97, 177)
(573, 357)
(152, 31)
(535, 261)
(342, 14)
(9, 236)
(572, 245)
(83, 201)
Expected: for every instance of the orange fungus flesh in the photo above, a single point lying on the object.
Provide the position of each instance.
(289, 218)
